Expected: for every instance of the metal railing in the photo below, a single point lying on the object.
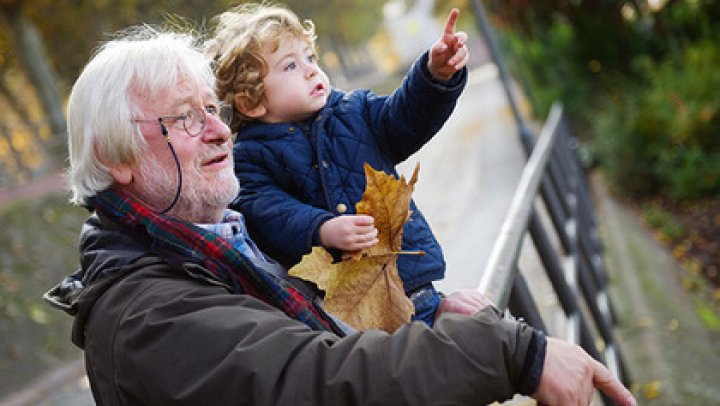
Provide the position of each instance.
(574, 266)
(573, 262)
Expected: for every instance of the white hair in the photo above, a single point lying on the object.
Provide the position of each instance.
(143, 61)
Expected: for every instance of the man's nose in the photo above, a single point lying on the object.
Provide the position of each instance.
(216, 131)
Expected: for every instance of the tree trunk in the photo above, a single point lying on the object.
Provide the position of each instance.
(21, 171)
(24, 116)
(31, 53)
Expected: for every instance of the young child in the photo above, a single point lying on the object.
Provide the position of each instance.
(301, 144)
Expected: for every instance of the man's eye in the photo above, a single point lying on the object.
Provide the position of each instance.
(291, 66)
(211, 109)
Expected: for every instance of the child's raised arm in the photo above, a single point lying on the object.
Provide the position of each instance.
(449, 54)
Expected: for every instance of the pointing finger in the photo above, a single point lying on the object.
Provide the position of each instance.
(606, 382)
(450, 23)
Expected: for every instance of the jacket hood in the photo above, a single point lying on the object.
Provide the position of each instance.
(106, 254)
(103, 251)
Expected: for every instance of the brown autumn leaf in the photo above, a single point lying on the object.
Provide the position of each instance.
(365, 290)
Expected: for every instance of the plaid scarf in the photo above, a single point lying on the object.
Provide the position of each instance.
(215, 254)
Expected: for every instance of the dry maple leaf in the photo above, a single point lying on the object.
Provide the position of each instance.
(387, 200)
(365, 291)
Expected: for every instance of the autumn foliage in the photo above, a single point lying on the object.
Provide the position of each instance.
(364, 290)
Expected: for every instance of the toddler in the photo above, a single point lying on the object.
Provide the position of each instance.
(301, 144)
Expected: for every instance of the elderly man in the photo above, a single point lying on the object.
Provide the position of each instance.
(174, 304)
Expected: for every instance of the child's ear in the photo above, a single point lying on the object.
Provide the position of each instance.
(242, 104)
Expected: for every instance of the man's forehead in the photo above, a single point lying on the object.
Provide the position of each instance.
(184, 91)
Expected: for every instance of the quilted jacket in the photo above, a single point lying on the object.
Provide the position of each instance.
(295, 176)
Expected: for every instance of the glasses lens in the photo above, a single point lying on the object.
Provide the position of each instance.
(194, 121)
(226, 113)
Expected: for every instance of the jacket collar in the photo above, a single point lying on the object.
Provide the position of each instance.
(255, 129)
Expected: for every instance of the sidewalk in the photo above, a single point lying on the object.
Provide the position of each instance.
(54, 183)
(66, 386)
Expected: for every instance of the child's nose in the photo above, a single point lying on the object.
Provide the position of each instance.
(310, 71)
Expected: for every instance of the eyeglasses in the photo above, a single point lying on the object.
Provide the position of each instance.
(193, 121)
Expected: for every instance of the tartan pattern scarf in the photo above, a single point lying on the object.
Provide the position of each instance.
(217, 255)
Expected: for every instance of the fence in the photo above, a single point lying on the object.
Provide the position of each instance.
(554, 177)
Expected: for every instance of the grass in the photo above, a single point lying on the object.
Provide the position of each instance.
(39, 239)
(663, 221)
(708, 316)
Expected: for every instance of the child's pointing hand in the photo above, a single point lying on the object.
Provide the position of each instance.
(449, 54)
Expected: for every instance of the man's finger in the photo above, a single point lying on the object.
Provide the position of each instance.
(606, 382)
(450, 23)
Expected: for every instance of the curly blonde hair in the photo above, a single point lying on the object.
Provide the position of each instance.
(239, 37)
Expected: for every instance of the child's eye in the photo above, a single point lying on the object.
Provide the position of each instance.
(291, 66)
(311, 58)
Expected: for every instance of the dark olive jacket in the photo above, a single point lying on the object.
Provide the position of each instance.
(161, 331)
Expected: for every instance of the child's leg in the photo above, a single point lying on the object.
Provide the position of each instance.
(426, 300)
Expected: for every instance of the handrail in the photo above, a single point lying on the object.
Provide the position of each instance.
(575, 268)
(553, 174)
(500, 272)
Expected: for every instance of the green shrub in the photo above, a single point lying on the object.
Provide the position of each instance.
(545, 64)
(662, 136)
(663, 221)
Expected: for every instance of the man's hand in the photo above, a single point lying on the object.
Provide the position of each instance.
(449, 54)
(570, 376)
(467, 302)
(349, 233)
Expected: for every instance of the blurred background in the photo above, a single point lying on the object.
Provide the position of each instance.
(639, 80)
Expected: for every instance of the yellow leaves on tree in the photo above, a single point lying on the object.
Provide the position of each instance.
(364, 290)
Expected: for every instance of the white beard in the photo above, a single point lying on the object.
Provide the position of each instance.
(200, 198)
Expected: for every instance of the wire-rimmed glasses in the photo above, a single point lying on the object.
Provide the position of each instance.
(193, 121)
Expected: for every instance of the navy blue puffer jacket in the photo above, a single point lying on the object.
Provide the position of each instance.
(296, 176)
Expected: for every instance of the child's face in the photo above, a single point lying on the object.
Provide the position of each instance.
(295, 86)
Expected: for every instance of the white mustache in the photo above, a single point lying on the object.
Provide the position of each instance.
(214, 150)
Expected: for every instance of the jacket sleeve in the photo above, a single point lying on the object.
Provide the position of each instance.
(281, 225)
(415, 112)
(181, 343)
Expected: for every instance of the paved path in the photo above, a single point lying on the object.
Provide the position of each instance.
(54, 183)
(468, 174)
(667, 348)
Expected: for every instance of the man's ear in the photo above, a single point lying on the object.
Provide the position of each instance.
(242, 104)
(122, 173)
